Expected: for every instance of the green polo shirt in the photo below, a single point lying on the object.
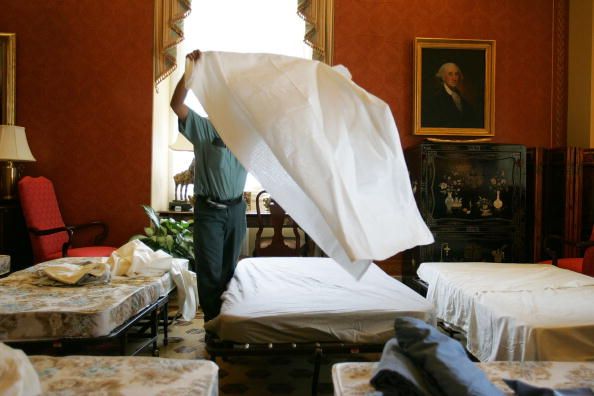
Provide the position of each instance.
(217, 174)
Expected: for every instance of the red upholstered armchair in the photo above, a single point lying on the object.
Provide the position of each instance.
(50, 237)
(585, 264)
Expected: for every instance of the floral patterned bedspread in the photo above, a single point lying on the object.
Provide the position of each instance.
(32, 312)
(82, 375)
(352, 379)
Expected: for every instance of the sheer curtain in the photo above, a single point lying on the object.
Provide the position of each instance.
(271, 26)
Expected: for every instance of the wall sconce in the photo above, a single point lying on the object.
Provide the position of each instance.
(13, 148)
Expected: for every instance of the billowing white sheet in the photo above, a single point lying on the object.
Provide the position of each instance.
(307, 299)
(515, 311)
(326, 150)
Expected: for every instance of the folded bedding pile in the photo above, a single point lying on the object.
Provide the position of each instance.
(17, 375)
(137, 259)
(421, 361)
(69, 274)
(427, 362)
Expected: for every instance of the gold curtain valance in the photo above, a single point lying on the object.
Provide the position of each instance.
(169, 16)
(319, 27)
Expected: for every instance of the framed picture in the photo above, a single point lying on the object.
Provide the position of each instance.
(454, 87)
(7, 72)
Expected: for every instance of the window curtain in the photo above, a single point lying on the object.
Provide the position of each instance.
(168, 33)
(319, 27)
(169, 16)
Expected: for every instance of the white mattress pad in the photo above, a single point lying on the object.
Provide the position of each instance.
(297, 299)
(515, 311)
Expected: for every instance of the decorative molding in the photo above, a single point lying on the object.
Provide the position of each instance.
(560, 70)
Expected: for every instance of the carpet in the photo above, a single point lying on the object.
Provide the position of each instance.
(254, 375)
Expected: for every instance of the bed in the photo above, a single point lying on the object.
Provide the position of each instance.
(352, 378)
(31, 314)
(515, 312)
(77, 375)
(309, 305)
(121, 375)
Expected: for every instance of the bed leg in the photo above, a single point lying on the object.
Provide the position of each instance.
(316, 374)
(155, 331)
(165, 323)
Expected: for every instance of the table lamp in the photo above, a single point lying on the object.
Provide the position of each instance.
(13, 148)
(183, 179)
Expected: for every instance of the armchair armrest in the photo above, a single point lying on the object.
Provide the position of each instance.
(55, 230)
(98, 240)
(582, 245)
(71, 229)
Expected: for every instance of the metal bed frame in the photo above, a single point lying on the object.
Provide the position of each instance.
(218, 348)
(131, 336)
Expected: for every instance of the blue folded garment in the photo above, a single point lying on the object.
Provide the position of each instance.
(442, 358)
(395, 374)
(524, 389)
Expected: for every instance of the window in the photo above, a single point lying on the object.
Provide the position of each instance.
(270, 26)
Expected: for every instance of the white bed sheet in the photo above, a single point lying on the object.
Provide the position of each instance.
(515, 311)
(301, 299)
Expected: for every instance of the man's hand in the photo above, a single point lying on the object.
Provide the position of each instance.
(179, 95)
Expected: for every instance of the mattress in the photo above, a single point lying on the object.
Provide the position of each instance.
(303, 299)
(515, 311)
(352, 379)
(81, 375)
(32, 312)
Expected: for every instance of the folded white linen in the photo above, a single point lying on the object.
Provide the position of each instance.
(77, 275)
(137, 259)
(324, 148)
(17, 375)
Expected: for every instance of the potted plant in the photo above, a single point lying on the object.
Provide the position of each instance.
(175, 237)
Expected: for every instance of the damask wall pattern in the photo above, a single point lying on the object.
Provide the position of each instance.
(84, 85)
(375, 40)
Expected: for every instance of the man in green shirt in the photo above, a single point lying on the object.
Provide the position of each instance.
(219, 212)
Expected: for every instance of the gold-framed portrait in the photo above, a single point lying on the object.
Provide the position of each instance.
(7, 79)
(454, 87)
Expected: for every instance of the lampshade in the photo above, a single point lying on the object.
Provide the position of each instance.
(13, 144)
(181, 144)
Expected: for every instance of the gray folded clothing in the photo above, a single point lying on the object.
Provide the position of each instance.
(524, 389)
(395, 374)
(442, 358)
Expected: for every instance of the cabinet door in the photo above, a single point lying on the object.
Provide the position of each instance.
(473, 186)
(473, 198)
(481, 244)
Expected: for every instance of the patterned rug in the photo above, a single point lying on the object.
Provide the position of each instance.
(266, 375)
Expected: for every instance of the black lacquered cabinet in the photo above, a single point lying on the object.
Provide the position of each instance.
(473, 198)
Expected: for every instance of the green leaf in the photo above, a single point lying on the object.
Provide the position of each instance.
(152, 215)
(173, 236)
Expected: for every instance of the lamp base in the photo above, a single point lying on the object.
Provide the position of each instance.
(8, 180)
(180, 206)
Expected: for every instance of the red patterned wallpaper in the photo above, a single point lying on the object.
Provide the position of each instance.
(84, 95)
(375, 40)
(84, 83)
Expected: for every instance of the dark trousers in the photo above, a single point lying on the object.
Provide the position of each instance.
(218, 236)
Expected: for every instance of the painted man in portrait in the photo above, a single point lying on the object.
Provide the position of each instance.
(447, 107)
